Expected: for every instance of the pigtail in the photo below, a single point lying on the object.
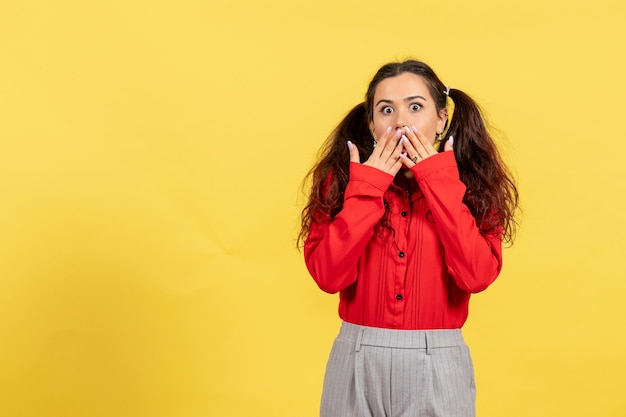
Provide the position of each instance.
(491, 193)
(329, 176)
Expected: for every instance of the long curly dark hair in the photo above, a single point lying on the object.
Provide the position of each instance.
(491, 194)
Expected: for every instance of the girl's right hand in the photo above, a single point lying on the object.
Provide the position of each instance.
(386, 153)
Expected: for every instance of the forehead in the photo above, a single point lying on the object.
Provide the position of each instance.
(401, 86)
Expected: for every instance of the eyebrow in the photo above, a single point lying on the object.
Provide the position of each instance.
(406, 99)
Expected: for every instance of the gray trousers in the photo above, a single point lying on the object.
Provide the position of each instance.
(375, 372)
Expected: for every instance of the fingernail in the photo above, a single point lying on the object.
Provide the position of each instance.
(414, 128)
(388, 129)
(350, 145)
(406, 129)
(452, 140)
(404, 139)
(403, 155)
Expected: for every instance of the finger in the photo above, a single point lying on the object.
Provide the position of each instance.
(409, 161)
(382, 141)
(406, 160)
(449, 146)
(397, 164)
(396, 167)
(412, 135)
(390, 161)
(393, 140)
(354, 153)
(422, 145)
(408, 146)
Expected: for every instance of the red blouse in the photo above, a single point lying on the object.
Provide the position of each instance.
(419, 272)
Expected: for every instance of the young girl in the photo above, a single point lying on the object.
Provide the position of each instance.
(409, 206)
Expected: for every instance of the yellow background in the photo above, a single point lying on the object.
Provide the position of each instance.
(151, 154)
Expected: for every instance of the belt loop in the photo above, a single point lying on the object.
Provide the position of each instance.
(359, 338)
(426, 334)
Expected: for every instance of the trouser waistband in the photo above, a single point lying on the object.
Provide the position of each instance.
(403, 339)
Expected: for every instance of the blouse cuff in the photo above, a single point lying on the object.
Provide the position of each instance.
(434, 164)
(364, 173)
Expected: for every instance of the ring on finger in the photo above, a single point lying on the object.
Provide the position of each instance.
(415, 158)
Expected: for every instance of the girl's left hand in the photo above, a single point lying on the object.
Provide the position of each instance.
(418, 147)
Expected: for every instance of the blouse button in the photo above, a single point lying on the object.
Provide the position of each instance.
(401, 254)
(404, 214)
(398, 297)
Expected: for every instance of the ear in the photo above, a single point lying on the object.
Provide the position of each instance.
(371, 125)
(442, 120)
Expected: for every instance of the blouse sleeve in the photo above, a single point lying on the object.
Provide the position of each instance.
(332, 249)
(474, 260)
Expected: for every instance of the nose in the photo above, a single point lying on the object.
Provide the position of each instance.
(401, 118)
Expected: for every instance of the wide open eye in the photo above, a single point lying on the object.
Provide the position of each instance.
(415, 106)
(386, 110)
